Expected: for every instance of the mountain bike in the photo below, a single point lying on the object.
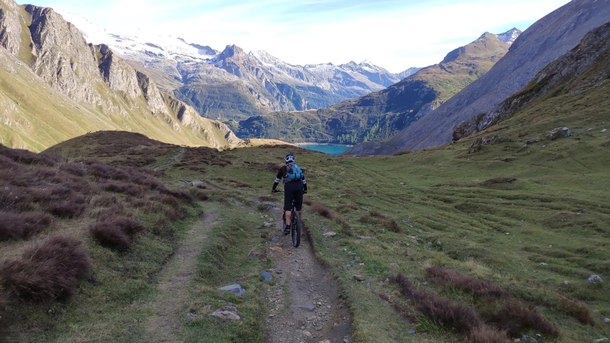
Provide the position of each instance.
(296, 226)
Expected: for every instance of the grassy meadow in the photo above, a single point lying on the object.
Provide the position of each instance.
(460, 243)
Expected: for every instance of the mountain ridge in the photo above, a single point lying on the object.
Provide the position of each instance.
(55, 80)
(544, 41)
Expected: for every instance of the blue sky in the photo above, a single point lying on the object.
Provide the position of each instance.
(394, 34)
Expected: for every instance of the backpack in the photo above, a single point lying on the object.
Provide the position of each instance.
(293, 172)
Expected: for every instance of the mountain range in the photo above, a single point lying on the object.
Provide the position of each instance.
(544, 41)
(55, 86)
(380, 115)
(232, 85)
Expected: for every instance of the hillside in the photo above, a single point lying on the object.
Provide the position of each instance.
(54, 86)
(381, 114)
(543, 42)
(505, 231)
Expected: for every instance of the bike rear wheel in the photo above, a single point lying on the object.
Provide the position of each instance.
(295, 229)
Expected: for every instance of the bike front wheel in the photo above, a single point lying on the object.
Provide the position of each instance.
(295, 229)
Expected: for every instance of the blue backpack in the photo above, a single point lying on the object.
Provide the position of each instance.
(293, 172)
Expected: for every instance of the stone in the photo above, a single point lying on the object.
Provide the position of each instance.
(394, 265)
(411, 332)
(364, 237)
(607, 320)
(227, 312)
(304, 307)
(235, 288)
(260, 255)
(599, 340)
(191, 315)
(279, 271)
(558, 133)
(266, 275)
(325, 341)
(595, 278)
(329, 234)
(359, 278)
(307, 334)
(265, 224)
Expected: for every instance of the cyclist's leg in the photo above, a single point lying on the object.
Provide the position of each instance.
(298, 197)
(288, 197)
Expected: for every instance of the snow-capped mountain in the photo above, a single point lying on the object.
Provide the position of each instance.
(510, 35)
(191, 71)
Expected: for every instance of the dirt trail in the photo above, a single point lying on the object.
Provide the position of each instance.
(305, 303)
(172, 299)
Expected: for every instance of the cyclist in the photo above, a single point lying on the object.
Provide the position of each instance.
(293, 189)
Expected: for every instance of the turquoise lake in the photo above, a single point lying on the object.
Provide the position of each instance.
(331, 149)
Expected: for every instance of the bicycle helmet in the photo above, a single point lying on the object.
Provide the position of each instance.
(289, 158)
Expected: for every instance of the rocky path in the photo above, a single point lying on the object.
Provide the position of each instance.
(171, 299)
(305, 302)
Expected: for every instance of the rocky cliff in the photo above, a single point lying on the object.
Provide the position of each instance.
(100, 89)
(546, 40)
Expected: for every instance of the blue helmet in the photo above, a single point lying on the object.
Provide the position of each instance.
(289, 158)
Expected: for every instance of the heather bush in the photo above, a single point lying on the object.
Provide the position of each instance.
(516, 318)
(110, 235)
(73, 168)
(128, 225)
(466, 283)
(455, 316)
(110, 212)
(105, 201)
(46, 272)
(322, 210)
(22, 225)
(69, 208)
(179, 194)
(121, 187)
(27, 157)
(165, 199)
(485, 334)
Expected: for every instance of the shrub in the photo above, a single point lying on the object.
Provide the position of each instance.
(179, 194)
(110, 235)
(128, 225)
(22, 225)
(322, 210)
(346, 206)
(515, 318)
(73, 168)
(485, 334)
(577, 310)
(69, 208)
(455, 316)
(165, 199)
(105, 201)
(122, 187)
(48, 271)
(467, 283)
(307, 202)
(379, 218)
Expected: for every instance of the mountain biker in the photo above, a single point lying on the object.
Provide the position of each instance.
(293, 189)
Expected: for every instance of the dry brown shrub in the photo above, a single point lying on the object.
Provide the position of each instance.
(467, 283)
(128, 225)
(108, 234)
(47, 272)
(108, 213)
(577, 310)
(122, 187)
(307, 202)
(347, 206)
(516, 317)
(485, 334)
(105, 201)
(68, 208)
(173, 214)
(22, 225)
(323, 211)
(380, 219)
(454, 316)
(73, 168)
(27, 157)
(164, 230)
(165, 199)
